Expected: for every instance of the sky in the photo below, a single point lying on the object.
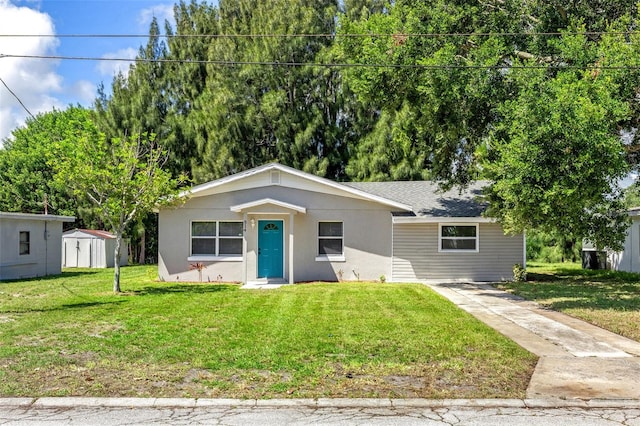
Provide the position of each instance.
(44, 84)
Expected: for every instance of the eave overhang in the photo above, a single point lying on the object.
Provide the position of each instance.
(246, 207)
(442, 219)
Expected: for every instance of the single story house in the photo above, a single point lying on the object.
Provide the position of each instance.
(629, 258)
(276, 224)
(89, 248)
(30, 244)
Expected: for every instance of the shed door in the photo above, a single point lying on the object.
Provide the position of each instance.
(270, 253)
(84, 253)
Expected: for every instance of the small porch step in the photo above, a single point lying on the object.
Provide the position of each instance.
(265, 284)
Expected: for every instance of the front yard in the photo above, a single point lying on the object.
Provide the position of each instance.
(69, 335)
(608, 299)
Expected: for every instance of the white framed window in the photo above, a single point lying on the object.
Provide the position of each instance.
(330, 241)
(216, 239)
(453, 237)
(25, 242)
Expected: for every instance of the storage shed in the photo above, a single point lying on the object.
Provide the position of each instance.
(30, 244)
(89, 248)
(629, 258)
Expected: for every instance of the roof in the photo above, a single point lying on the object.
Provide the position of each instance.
(33, 216)
(426, 198)
(329, 185)
(105, 235)
(412, 200)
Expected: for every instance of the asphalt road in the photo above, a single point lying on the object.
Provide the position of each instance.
(508, 412)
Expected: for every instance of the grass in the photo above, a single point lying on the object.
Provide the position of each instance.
(69, 335)
(608, 299)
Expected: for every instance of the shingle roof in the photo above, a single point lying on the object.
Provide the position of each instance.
(427, 199)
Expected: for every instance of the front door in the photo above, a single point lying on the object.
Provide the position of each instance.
(270, 256)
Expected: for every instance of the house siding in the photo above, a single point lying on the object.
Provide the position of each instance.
(629, 258)
(367, 236)
(44, 253)
(416, 255)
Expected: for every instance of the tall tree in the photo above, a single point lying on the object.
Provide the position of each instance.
(186, 75)
(123, 178)
(556, 155)
(255, 108)
(25, 175)
(495, 92)
(436, 102)
(139, 103)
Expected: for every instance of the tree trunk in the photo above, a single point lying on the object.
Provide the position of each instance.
(143, 242)
(116, 264)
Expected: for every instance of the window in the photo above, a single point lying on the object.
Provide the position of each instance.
(330, 239)
(25, 247)
(458, 238)
(216, 238)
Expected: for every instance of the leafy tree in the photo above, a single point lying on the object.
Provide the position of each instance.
(123, 178)
(539, 114)
(434, 117)
(556, 155)
(25, 175)
(139, 103)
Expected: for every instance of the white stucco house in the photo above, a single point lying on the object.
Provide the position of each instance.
(629, 258)
(30, 245)
(90, 248)
(276, 224)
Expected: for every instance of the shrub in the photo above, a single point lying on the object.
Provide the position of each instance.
(519, 273)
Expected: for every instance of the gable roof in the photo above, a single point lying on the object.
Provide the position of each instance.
(308, 180)
(95, 233)
(426, 198)
(412, 199)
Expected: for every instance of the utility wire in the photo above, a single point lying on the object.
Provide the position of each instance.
(16, 96)
(329, 35)
(324, 65)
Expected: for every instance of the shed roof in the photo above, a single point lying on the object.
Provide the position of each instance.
(88, 233)
(426, 198)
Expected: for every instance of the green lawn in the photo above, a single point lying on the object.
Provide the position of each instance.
(607, 299)
(69, 335)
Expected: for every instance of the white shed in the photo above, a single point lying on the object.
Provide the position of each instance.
(629, 258)
(30, 244)
(88, 248)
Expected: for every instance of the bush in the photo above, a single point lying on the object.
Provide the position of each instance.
(519, 273)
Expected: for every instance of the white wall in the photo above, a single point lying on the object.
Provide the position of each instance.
(81, 250)
(628, 259)
(367, 236)
(45, 253)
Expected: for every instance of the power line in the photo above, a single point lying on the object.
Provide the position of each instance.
(16, 96)
(330, 35)
(323, 65)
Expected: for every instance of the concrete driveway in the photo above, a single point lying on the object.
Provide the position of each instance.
(577, 360)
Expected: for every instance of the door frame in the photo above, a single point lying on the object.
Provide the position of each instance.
(283, 247)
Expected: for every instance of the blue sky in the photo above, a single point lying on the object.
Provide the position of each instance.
(43, 84)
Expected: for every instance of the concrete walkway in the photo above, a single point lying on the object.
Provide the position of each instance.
(577, 360)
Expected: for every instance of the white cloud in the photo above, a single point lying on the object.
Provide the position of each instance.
(162, 12)
(84, 91)
(111, 68)
(32, 80)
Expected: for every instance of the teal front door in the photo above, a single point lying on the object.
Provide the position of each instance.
(270, 256)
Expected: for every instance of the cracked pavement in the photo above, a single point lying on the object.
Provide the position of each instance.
(96, 411)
